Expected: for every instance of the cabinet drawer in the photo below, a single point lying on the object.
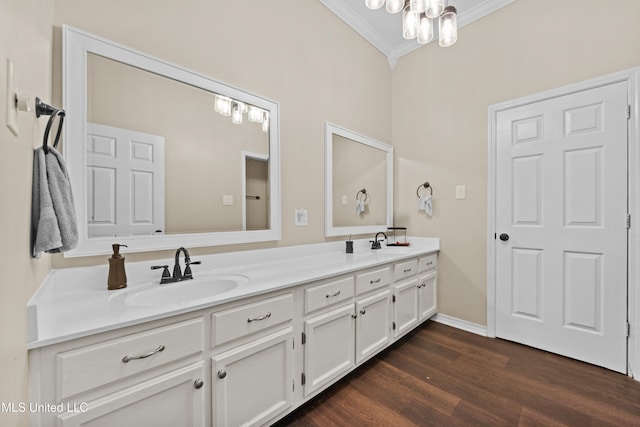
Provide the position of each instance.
(372, 280)
(428, 262)
(405, 269)
(246, 319)
(96, 365)
(326, 294)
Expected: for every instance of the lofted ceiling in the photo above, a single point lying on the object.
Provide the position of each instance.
(384, 30)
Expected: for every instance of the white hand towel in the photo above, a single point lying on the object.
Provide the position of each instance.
(359, 207)
(421, 203)
(428, 205)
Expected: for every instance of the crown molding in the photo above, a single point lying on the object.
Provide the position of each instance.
(359, 24)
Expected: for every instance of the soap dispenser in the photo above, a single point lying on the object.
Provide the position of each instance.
(117, 275)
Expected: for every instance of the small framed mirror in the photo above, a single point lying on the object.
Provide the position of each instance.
(358, 183)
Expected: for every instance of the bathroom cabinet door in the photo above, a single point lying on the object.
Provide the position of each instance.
(253, 383)
(428, 294)
(373, 324)
(329, 347)
(405, 306)
(174, 399)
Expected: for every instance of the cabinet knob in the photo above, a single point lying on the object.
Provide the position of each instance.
(354, 315)
(222, 373)
(363, 311)
(197, 384)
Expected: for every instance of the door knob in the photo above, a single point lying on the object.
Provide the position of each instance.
(504, 237)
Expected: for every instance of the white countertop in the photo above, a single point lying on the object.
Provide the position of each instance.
(74, 302)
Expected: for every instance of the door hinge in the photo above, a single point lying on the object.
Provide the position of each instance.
(393, 299)
(303, 378)
(304, 339)
(293, 344)
(628, 331)
(394, 326)
(628, 111)
(293, 385)
(628, 221)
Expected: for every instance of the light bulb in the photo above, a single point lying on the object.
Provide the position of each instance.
(374, 4)
(448, 27)
(236, 114)
(223, 105)
(425, 32)
(434, 8)
(410, 23)
(418, 5)
(255, 114)
(394, 6)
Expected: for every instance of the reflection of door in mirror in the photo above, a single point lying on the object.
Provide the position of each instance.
(125, 182)
(256, 193)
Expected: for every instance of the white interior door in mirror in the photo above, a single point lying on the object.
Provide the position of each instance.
(357, 169)
(125, 182)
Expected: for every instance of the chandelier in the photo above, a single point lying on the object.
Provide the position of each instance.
(418, 16)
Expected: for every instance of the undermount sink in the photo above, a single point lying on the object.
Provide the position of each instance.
(186, 291)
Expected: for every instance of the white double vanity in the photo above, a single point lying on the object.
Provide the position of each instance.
(253, 336)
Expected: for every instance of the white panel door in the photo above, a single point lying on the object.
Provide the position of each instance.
(561, 206)
(125, 191)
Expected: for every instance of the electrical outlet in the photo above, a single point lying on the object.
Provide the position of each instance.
(301, 217)
(461, 192)
(12, 108)
(227, 200)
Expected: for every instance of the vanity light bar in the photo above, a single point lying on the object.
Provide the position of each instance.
(226, 106)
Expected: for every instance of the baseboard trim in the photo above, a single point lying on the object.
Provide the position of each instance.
(474, 328)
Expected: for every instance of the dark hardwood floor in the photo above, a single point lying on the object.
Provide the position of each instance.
(442, 376)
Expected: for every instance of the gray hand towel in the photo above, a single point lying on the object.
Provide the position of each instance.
(54, 226)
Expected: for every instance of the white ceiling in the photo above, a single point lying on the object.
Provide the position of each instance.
(384, 30)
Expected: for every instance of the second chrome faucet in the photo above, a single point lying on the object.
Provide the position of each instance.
(178, 275)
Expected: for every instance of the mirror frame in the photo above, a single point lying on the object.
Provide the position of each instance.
(331, 230)
(77, 44)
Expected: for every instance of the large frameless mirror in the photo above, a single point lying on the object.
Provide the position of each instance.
(160, 156)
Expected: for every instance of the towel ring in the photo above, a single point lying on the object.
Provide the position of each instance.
(363, 191)
(425, 185)
(47, 110)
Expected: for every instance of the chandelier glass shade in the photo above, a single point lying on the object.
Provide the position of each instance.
(418, 16)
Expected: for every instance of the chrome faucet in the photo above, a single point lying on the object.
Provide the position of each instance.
(375, 243)
(178, 275)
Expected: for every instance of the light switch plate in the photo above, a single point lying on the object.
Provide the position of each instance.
(301, 217)
(344, 199)
(461, 192)
(12, 109)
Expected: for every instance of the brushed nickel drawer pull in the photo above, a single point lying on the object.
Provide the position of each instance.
(256, 319)
(407, 270)
(430, 262)
(363, 311)
(126, 359)
(375, 281)
(335, 294)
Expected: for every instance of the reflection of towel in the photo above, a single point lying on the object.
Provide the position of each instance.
(360, 207)
(53, 219)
